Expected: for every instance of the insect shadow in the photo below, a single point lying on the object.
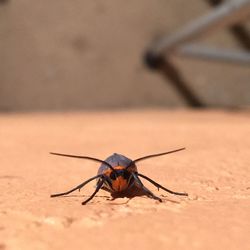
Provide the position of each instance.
(135, 192)
(119, 176)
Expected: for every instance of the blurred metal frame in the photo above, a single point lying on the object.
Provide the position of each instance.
(226, 14)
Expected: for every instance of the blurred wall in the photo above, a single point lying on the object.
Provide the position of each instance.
(79, 54)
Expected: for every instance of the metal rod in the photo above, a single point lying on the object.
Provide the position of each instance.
(239, 31)
(226, 14)
(208, 53)
(176, 79)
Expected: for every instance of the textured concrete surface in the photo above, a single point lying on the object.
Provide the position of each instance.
(214, 170)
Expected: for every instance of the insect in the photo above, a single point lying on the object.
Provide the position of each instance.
(118, 174)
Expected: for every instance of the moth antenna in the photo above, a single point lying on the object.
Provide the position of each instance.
(154, 155)
(84, 157)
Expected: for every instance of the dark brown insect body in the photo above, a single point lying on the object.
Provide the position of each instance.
(118, 174)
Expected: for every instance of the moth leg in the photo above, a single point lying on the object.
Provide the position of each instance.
(78, 187)
(148, 192)
(159, 186)
(99, 185)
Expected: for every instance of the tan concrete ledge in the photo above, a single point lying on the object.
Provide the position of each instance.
(214, 170)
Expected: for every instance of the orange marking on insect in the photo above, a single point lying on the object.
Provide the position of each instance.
(109, 171)
(119, 184)
(119, 167)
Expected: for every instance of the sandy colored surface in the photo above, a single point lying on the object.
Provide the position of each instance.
(214, 170)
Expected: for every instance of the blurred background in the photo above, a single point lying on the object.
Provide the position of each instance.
(81, 55)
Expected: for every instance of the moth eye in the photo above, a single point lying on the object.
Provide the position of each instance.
(126, 175)
(112, 175)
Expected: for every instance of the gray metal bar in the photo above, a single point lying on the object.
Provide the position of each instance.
(208, 53)
(226, 14)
